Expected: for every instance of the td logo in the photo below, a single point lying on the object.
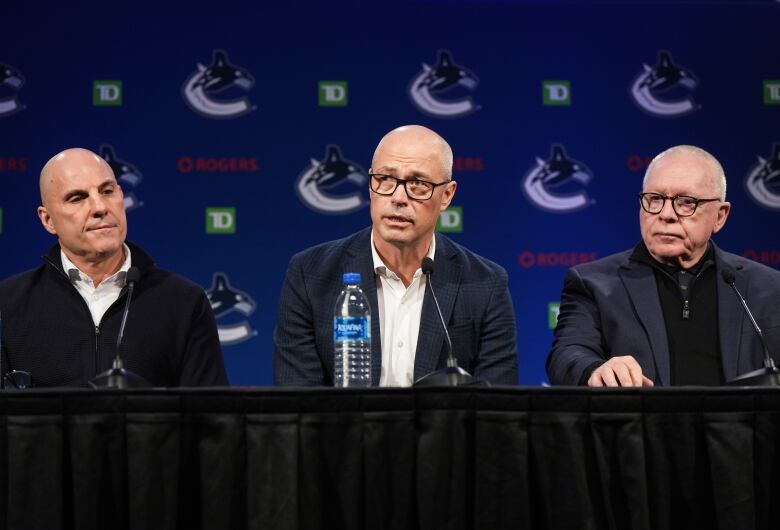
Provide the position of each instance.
(553, 309)
(333, 93)
(107, 93)
(556, 93)
(772, 92)
(220, 220)
(450, 220)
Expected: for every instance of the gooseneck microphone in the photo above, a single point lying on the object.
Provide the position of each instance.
(769, 375)
(117, 376)
(452, 375)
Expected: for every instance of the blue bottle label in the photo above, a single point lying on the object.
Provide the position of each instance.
(351, 328)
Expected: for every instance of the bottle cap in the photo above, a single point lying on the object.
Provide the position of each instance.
(351, 277)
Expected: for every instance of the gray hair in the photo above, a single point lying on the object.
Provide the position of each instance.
(717, 174)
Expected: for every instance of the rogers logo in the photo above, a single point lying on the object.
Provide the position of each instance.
(187, 164)
(468, 163)
(767, 257)
(528, 259)
(638, 163)
(13, 165)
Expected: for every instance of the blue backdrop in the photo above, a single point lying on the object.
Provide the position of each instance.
(242, 134)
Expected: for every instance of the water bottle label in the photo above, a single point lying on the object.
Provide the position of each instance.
(351, 328)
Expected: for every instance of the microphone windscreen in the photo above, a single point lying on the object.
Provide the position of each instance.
(427, 265)
(133, 275)
(728, 275)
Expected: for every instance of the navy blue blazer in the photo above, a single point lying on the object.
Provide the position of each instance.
(610, 307)
(472, 291)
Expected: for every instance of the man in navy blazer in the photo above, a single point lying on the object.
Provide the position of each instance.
(410, 183)
(661, 313)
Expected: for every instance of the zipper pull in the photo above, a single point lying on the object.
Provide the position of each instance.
(686, 311)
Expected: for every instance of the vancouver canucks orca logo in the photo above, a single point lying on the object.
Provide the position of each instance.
(224, 300)
(664, 77)
(11, 78)
(763, 181)
(565, 175)
(317, 185)
(126, 174)
(444, 90)
(202, 88)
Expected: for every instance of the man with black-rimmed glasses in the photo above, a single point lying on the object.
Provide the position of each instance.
(660, 314)
(410, 183)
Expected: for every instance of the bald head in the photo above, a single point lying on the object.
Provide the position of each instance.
(716, 174)
(423, 140)
(68, 162)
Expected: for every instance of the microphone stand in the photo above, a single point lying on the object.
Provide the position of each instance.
(117, 376)
(769, 375)
(452, 374)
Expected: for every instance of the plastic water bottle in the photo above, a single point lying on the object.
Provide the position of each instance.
(352, 335)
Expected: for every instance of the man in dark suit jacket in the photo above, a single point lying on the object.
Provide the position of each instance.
(410, 184)
(661, 314)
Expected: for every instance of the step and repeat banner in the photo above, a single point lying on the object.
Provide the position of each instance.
(242, 135)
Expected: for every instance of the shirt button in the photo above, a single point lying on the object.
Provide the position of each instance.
(400, 344)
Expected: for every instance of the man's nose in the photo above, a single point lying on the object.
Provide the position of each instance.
(667, 213)
(399, 195)
(98, 203)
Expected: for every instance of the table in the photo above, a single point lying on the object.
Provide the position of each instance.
(461, 458)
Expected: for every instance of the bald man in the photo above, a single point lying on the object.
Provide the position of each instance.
(661, 313)
(410, 183)
(61, 320)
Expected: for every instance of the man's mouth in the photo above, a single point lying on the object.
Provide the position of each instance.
(398, 219)
(100, 227)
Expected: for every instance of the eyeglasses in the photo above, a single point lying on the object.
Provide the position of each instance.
(419, 190)
(683, 205)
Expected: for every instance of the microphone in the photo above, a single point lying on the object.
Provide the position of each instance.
(768, 375)
(452, 375)
(117, 376)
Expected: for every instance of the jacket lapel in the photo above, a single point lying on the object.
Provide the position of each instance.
(639, 281)
(731, 318)
(445, 281)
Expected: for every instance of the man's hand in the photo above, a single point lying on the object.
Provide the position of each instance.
(619, 371)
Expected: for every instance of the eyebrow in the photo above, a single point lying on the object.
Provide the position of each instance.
(392, 171)
(78, 191)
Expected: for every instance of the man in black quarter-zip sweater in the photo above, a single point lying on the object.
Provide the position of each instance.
(61, 320)
(660, 314)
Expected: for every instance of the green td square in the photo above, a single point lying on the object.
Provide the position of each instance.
(556, 93)
(332, 93)
(553, 308)
(450, 220)
(771, 91)
(220, 220)
(107, 93)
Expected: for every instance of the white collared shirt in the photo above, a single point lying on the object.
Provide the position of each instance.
(99, 298)
(400, 309)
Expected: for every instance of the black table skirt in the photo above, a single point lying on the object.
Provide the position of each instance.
(390, 458)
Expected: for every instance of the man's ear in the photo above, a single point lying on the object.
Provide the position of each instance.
(448, 194)
(43, 215)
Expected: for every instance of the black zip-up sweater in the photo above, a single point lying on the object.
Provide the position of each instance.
(170, 337)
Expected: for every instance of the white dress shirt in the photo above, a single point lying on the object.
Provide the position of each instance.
(99, 298)
(400, 309)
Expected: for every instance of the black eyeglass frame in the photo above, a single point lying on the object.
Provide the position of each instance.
(696, 202)
(403, 182)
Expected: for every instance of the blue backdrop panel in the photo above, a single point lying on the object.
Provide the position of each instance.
(242, 135)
